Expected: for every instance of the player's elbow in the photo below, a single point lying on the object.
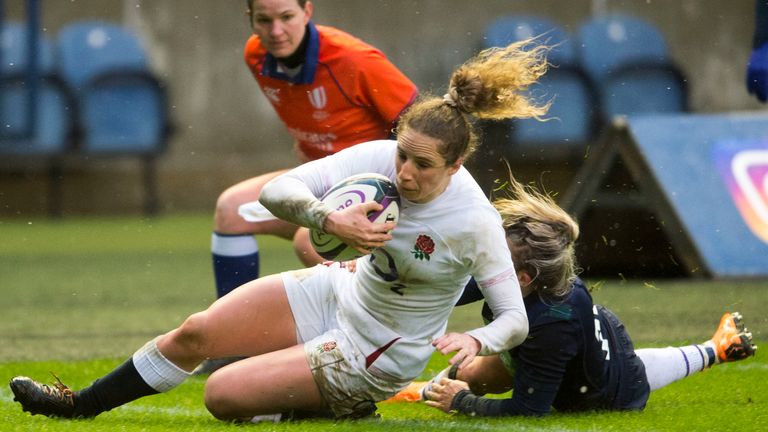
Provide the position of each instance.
(520, 331)
(269, 197)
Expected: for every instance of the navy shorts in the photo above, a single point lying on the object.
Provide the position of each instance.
(628, 387)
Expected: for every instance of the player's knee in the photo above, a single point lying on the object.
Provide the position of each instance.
(215, 400)
(193, 334)
(226, 218)
(219, 399)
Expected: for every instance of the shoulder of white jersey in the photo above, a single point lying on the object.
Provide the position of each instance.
(376, 148)
(372, 156)
(467, 194)
(465, 185)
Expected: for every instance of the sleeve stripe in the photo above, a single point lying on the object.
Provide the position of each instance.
(508, 274)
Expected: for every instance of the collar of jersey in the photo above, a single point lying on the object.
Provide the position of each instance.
(307, 74)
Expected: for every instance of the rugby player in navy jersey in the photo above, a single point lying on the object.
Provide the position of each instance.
(578, 356)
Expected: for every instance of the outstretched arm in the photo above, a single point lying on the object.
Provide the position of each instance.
(541, 364)
(454, 395)
(510, 325)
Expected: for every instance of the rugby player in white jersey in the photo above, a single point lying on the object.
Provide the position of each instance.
(327, 341)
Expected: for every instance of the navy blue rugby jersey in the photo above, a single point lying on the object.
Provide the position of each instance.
(563, 363)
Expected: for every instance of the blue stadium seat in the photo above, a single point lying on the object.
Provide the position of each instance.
(628, 61)
(122, 105)
(572, 114)
(508, 29)
(53, 123)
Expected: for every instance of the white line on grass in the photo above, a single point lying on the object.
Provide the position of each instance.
(6, 396)
(448, 424)
(169, 411)
(747, 366)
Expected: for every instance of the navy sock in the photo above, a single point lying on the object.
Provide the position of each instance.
(235, 261)
(122, 385)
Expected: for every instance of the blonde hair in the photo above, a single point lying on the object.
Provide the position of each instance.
(491, 85)
(542, 237)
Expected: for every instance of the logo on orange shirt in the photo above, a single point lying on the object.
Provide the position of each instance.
(273, 94)
(318, 99)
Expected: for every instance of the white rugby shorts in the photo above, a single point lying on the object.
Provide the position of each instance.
(338, 366)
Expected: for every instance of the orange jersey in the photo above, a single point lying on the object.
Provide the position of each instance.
(346, 92)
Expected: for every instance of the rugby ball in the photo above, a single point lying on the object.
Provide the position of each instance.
(355, 190)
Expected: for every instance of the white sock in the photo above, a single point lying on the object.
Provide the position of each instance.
(233, 245)
(156, 370)
(265, 418)
(664, 366)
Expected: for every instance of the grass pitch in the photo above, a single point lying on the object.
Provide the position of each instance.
(80, 295)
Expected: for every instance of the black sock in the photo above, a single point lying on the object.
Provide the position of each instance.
(122, 385)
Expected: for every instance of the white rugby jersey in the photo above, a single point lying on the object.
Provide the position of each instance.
(405, 291)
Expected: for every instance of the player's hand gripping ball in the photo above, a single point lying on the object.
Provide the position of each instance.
(355, 190)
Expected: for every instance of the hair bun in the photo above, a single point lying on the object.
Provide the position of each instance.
(466, 90)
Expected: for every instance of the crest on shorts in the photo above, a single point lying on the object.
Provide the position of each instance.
(326, 347)
(424, 247)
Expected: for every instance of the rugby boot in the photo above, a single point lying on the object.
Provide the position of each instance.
(37, 398)
(732, 341)
(411, 393)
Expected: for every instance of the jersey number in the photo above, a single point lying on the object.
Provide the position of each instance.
(389, 275)
(599, 335)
